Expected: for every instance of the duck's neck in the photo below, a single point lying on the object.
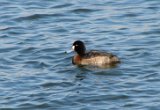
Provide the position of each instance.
(81, 54)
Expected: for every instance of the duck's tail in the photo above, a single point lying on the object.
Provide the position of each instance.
(115, 59)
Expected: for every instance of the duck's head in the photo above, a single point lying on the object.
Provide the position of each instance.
(79, 47)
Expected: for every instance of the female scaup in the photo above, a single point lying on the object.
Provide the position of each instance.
(92, 58)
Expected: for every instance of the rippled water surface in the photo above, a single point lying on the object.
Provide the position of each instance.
(36, 73)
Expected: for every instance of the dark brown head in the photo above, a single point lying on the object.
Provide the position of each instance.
(79, 47)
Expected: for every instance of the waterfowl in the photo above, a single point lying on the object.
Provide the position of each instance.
(92, 58)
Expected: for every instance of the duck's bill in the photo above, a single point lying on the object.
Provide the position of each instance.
(69, 51)
(73, 47)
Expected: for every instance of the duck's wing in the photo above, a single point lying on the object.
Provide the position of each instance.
(95, 53)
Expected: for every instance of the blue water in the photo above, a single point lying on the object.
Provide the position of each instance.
(37, 74)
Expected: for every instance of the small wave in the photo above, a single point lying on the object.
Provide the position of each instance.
(48, 50)
(27, 104)
(28, 50)
(37, 16)
(62, 5)
(11, 28)
(83, 10)
(6, 67)
(33, 105)
(9, 49)
(6, 61)
(35, 64)
(131, 15)
(3, 28)
(155, 8)
(53, 84)
(4, 36)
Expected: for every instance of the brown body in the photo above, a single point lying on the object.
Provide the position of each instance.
(95, 58)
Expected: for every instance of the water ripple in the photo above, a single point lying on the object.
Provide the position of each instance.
(37, 16)
(62, 5)
(83, 10)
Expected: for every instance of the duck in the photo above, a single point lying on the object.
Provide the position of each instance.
(92, 57)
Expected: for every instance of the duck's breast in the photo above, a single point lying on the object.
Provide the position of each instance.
(76, 60)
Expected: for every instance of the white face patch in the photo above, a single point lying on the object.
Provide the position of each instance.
(73, 47)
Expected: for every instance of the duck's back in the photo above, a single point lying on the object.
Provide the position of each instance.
(98, 58)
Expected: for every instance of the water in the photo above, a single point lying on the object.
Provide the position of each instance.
(35, 73)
